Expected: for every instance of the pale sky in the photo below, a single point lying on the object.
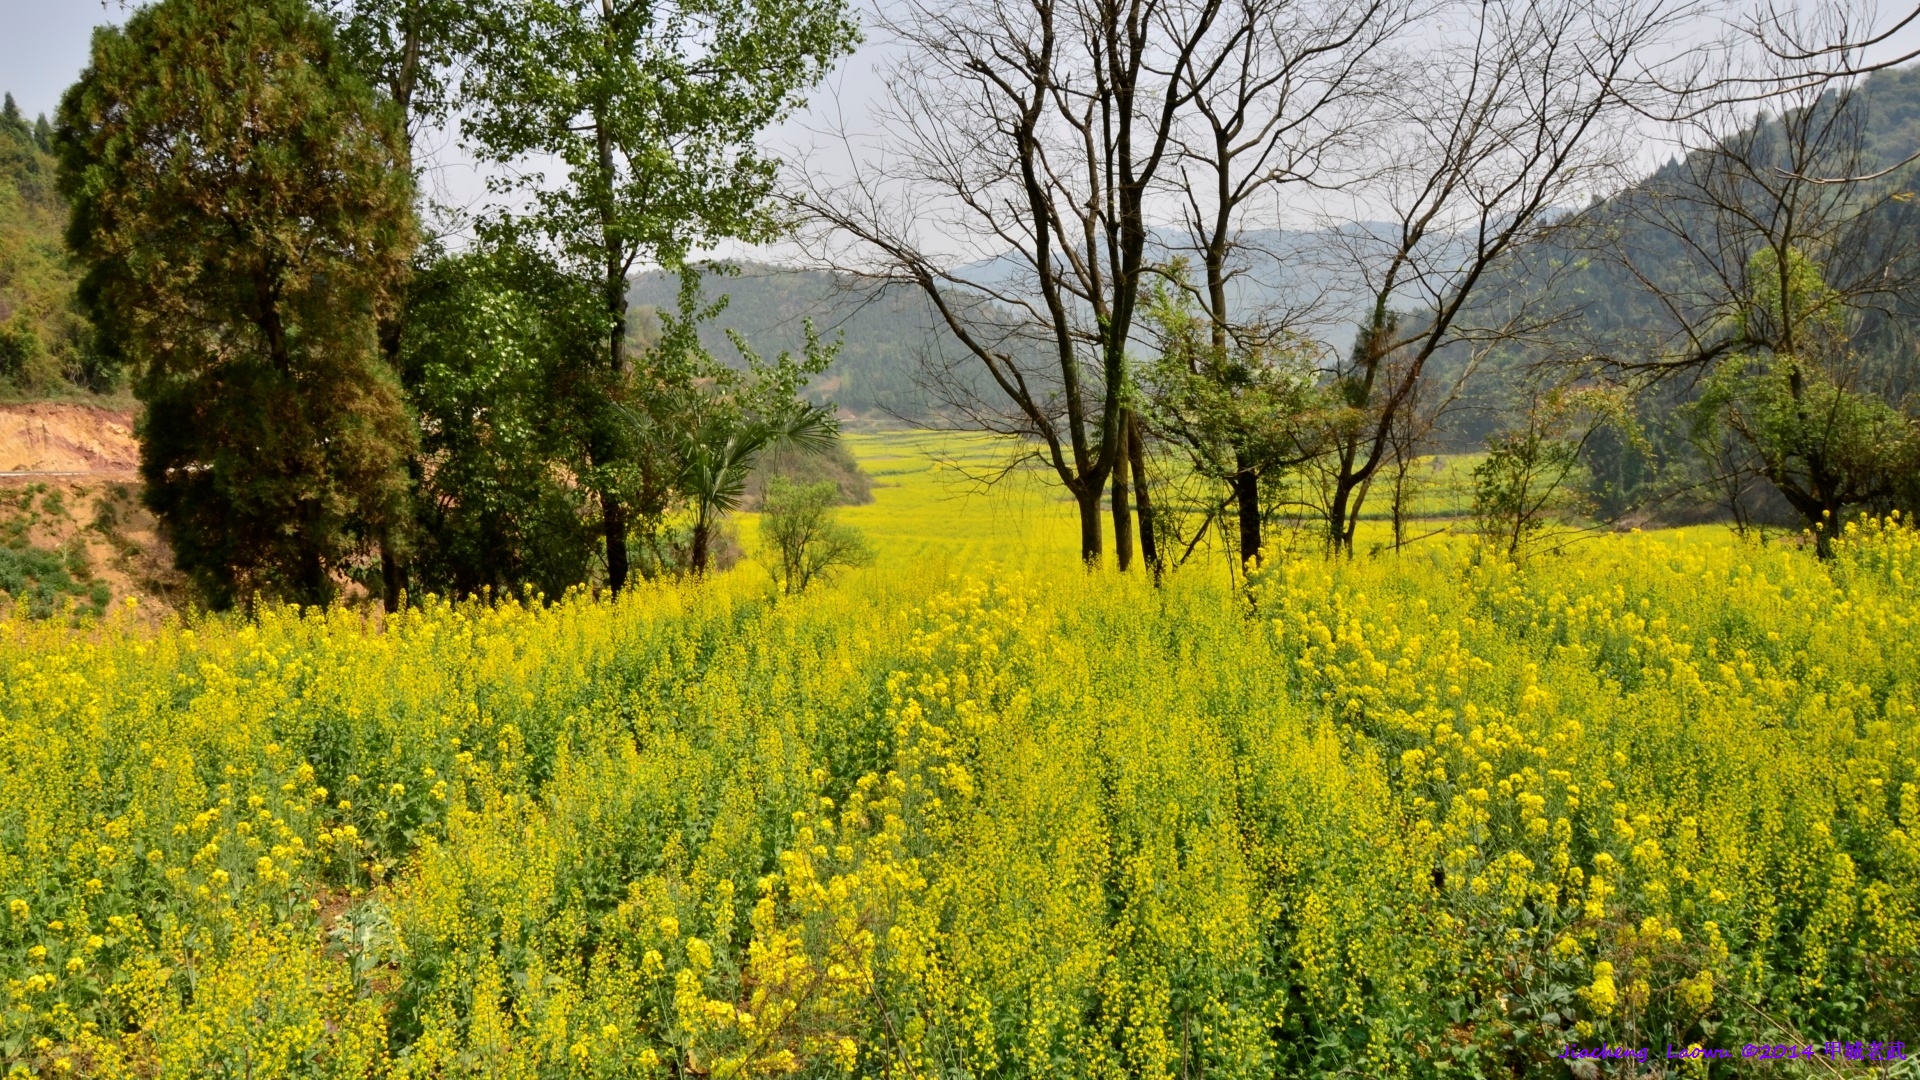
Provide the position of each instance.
(46, 41)
(45, 46)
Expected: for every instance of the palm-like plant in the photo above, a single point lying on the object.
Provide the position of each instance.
(716, 428)
(718, 454)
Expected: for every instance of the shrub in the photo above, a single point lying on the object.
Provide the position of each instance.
(806, 543)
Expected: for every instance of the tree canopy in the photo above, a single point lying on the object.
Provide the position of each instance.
(653, 109)
(239, 205)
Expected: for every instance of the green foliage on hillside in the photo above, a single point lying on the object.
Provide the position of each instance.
(37, 579)
(1663, 284)
(44, 342)
(834, 464)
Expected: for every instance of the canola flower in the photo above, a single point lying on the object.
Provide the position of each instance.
(1411, 816)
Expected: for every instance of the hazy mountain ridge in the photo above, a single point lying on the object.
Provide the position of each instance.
(885, 333)
(1307, 276)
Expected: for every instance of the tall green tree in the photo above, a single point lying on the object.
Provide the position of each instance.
(411, 52)
(488, 361)
(652, 108)
(241, 202)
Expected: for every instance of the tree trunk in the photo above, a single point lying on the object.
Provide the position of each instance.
(391, 331)
(614, 516)
(1137, 458)
(392, 327)
(697, 559)
(613, 520)
(392, 579)
(315, 588)
(1246, 496)
(1339, 537)
(1399, 506)
(1089, 500)
(1122, 515)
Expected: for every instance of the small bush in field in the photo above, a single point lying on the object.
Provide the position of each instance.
(805, 542)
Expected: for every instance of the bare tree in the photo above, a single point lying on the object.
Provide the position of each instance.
(1688, 238)
(1411, 428)
(1030, 140)
(1518, 114)
(1777, 271)
(1286, 96)
(1816, 44)
(1029, 137)
(1833, 40)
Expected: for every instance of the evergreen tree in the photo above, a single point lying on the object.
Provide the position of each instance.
(240, 201)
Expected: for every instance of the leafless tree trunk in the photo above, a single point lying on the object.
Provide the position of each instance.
(1029, 137)
(1143, 499)
(1122, 512)
(1287, 96)
(1409, 432)
(1518, 114)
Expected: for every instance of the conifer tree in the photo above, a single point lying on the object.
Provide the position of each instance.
(241, 203)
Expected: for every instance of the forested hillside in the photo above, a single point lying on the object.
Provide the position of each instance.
(1673, 287)
(1628, 271)
(44, 342)
(892, 341)
(885, 334)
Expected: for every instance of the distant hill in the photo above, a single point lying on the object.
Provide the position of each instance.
(1614, 309)
(885, 334)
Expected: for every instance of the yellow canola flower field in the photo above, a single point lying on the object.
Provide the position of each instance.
(1424, 815)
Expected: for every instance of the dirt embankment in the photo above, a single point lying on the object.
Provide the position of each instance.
(60, 438)
(70, 483)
